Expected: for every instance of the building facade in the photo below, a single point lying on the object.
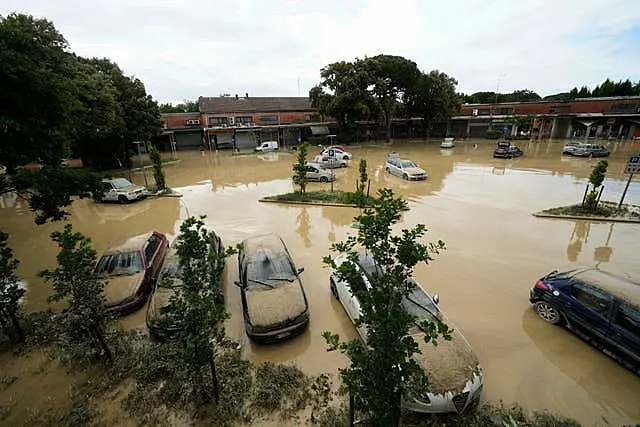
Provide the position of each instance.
(244, 122)
(595, 118)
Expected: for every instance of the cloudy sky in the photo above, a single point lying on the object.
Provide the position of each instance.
(182, 49)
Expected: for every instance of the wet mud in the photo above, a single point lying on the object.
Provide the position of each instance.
(481, 207)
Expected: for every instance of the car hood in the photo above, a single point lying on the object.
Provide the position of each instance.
(451, 365)
(159, 300)
(120, 288)
(415, 171)
(129, 188)
(267, 307)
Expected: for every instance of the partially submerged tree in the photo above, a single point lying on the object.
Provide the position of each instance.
(596, 178)
(383, 369)
(10, 290)
(196, 305)
(300, 167)
(78, 329)
(158, 173)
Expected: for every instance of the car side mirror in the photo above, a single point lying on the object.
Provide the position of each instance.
(436, 299)
(300, 270)
(238, 284)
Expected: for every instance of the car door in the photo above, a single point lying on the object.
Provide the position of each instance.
(625, 328)
(312, 173)
(393, 166)
(110, 193)
(151, 258)
(590, 309)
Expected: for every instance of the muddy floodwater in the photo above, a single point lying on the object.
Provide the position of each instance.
(480, 206)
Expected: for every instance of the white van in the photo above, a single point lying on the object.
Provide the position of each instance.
(267, 146)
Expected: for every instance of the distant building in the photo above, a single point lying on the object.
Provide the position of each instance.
(243, 122)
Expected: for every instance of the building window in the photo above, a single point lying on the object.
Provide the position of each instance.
(245, 120)
(503, 111)
(218, 121)
(483, 111)
(560, 109)
(624, 108)
(271, 118)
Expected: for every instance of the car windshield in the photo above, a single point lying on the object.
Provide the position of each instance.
(420, 305)
(269, 270)
(408, 164)
(120, 264)
(171, 276)
(121, 183)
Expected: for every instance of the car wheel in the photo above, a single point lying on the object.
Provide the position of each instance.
(548, 312)
(324, 179)
(123, 200)
(405, 177)
(334, 289)
(387, 170)
(345, 157)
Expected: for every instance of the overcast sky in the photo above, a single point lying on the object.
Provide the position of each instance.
(182, 49)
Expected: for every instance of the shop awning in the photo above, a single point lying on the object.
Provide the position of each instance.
(319, 130)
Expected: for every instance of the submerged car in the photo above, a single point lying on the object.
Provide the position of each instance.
(130, 271)
(316, 173)
(159, 322)
(327, 162)
(591, 150)
(448, 143)
(600, 307)
(274, 303)
(570, 147)
(505, 150)
(455, 375)
(122, 190)
(336, 151)
(404, 168)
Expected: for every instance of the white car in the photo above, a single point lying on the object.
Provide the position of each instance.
(404, 168)
(455, 375)
(268, 146)
(316, 173)
(448, 143)
(327, 162)
(122, 190)
(335, 151)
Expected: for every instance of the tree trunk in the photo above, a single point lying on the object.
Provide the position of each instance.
(388, 125)
(103, 345)
(16, 325)
(352, 411)
(214, 377)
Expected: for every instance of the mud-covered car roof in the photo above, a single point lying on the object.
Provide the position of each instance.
(620, 287)
(256, 246)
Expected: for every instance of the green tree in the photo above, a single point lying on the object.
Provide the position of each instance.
(362, 182)
(391, 78)
(79, 329)
(187, 106)
(10, 290)
(195, 305)
(434, 98)
(343, 94)
(596, 178)
(158, 173)
(300, 167)
(383, 369)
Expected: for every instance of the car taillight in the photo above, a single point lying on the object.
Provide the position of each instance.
(541, 285)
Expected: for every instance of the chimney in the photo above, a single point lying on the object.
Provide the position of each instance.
(246, 95)
(236, 96)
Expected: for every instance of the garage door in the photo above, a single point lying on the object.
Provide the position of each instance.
(188, 140)
(243, 142)
(223, 140)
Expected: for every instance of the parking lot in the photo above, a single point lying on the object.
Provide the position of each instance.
(480, 206)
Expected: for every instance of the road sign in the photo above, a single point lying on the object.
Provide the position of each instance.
(633, 166)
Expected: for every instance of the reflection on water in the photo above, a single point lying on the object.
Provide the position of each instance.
(480, 206)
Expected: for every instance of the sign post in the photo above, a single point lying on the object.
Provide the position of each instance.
(633, 166)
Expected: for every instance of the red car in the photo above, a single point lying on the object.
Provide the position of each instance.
(131, 271)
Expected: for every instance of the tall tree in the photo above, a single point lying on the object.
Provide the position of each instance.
(383, 369)
(10, 290)
(80, 327)
(596, 178)
(195, 305)
(343, 94)
(158, 173)
(434, 98)
(391, 78)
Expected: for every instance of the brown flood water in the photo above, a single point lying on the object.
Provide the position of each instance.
(480, 206)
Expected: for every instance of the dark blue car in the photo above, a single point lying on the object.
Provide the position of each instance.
(600, 307)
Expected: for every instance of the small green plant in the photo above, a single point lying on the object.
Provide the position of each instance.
(300, 167)
(158, 173)
(10, 290)
(596, 178)
(78, 330)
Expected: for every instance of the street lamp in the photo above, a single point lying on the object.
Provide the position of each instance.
(146, 184)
